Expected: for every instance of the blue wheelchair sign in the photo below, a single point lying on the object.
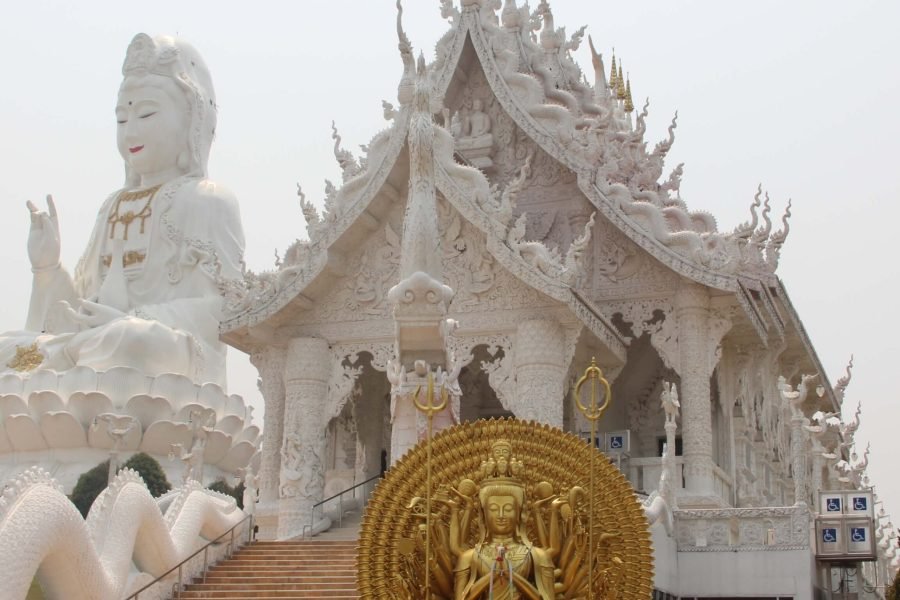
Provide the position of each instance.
(857, 534)
(859, 503)
(833, 505)
(829, 535)
(616, 442)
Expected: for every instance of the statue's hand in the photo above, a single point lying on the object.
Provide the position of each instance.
(93, 314)
(43, 239)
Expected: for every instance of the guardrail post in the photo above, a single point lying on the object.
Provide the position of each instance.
(205, 561)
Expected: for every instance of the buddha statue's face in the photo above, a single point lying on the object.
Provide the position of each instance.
(501, 515)
(152, 116)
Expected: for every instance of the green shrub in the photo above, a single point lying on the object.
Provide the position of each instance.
(92, 482)
(236, 492)
(89, 486)
(151, 472)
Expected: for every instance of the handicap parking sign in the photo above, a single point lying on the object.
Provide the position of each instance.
(833, 505)
(829, 535)
(616, 442)
(859, 503)
(858, 534)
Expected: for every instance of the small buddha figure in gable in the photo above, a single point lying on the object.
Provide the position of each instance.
(474, 139)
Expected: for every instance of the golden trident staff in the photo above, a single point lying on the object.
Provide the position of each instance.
(429, 408)
(592, 413)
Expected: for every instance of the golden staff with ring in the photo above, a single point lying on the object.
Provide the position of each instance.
(592, 413)
(429, 408)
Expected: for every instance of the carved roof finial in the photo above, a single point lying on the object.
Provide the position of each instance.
(629, 103)
(841, 387)
(745, 230)
(620, 83)
(511, 17)
(779, 237)
(613, 84)
(600, 83)
(407, 82)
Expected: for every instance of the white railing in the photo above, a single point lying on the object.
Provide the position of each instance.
(723, 485)
(644, 473)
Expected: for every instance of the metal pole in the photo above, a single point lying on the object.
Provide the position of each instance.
(592, 413)
(429, 407)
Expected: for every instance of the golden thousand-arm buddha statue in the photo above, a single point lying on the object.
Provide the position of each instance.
(510, 521)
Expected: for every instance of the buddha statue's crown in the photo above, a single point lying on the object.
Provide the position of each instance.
(501, 466)
(144, 56)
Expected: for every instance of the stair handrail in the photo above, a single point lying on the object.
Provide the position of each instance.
(340, 496)
(176, 587)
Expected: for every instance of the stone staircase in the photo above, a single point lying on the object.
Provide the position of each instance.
(323, 567)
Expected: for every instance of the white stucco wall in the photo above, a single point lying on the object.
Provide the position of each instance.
(753, 574)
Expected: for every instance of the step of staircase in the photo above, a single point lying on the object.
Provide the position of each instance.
(315, 568)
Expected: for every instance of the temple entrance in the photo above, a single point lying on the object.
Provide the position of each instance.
(479, 401)
(358, 440)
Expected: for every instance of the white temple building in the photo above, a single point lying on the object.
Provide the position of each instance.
(507, 226)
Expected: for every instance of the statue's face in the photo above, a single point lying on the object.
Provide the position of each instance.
(502, 515)
(152, 116)
(502, 451)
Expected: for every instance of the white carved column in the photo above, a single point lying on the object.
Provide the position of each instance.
(799, 467)
(793, 402)
(692, 316)
(306, 375)
(668, 480)
(817, 463)
(540, 371)
(270, 364)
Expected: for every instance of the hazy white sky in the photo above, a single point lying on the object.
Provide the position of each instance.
(800, 96)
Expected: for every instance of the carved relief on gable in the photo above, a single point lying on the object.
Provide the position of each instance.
(478, 281)
(622, 269)
(371, 271)
(557, 210)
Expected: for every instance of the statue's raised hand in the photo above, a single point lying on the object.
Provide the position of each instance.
(43, 239)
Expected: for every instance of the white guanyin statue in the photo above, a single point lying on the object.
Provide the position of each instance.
(146, 293)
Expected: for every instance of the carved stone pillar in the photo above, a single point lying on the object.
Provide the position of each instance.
(270, 364)
(692, 316)
(540, 371)
(817, 463)
(669, 483)
(306, 374)
(798, 460)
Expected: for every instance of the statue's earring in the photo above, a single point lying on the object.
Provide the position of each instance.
(183, 161)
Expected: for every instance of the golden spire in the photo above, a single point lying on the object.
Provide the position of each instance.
(612, 72)
(620, 84)
(629, 103)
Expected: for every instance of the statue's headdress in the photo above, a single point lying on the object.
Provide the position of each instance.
(500, 471)
(173, 58)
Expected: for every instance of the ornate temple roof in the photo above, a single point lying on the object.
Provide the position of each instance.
(591, 129)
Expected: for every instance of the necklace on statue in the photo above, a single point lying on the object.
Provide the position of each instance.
(126, 219)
